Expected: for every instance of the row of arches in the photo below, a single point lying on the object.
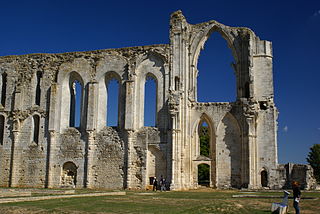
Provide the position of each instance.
(35, 128)
(36, 82)
(109, 97)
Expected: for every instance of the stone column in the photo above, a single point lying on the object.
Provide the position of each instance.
(15, 153)
(129, 149)
(252, 148)
(129, 105)
(14, 162)
(91, 127)
(90, 159)
(52, 155)
(53, 124)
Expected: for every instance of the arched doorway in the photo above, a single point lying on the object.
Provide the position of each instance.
(69, 175)
(204, 175)
(264, 178)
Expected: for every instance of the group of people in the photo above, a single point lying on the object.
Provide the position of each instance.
(295, 187)
(162, 184)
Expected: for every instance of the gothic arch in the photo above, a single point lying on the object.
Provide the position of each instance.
(264, 177)
(229, 152)
(36, 118)
(108, 68)
(233, 38)
(103, 97)
(195, 134)
(153, 67)
(66, 100)
(199, 39)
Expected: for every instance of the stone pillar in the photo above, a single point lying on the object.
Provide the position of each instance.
(90, 157)
(91, 127)
(15, 153)
(179, 68)
(52, 155)
(53, 124)
(129, 105)
(252, 148)
(129, 149)
(14, 166)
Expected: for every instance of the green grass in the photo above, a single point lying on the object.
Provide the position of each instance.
(161, 202)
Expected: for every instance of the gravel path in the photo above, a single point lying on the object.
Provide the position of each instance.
(39, 198)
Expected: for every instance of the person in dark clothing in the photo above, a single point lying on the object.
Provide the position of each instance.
(296, 196)
(155, 184)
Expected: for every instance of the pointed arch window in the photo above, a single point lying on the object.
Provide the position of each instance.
(3, 88)
(204, 138)
(150, 101)
(38, 88)
(76, 100)
(36, 127)
(216, 81)
(113, 88)
(2, 120)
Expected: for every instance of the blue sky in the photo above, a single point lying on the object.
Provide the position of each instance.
(293, 26)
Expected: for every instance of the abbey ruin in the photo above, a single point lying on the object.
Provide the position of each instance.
(41, 144)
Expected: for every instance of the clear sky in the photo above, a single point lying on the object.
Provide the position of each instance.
(55, 26)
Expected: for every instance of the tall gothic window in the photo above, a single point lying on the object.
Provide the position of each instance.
(150, 101)
(76, 99)
(204, 138)
(38, 88)
(112, 102)
(3, 88)
(36, 126)
(2, 120)
(216, 81)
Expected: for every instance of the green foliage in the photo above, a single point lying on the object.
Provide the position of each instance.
(204, 141)
(314, 160)
(204, 174)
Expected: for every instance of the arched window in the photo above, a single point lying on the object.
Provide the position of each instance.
(36, 126)
(264, 178)
(150, 101)
(216, 81)
(204, 174)
(112, 86)
(2, 120)
(76, 90)
(176, 83)
(204, 138)
(38, 88)
(3, 88)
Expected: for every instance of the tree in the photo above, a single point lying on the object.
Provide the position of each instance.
(314, 160)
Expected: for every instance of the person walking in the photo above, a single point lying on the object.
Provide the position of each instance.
(296, 196)
(155, 184)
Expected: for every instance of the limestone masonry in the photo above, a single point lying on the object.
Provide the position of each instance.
(42, 144)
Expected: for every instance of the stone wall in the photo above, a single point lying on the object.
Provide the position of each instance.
(301, 173)
(109, 164)
(42, 145)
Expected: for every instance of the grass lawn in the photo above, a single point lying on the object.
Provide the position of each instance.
(200, 201)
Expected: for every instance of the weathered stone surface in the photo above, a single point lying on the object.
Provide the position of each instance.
(41, 146)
